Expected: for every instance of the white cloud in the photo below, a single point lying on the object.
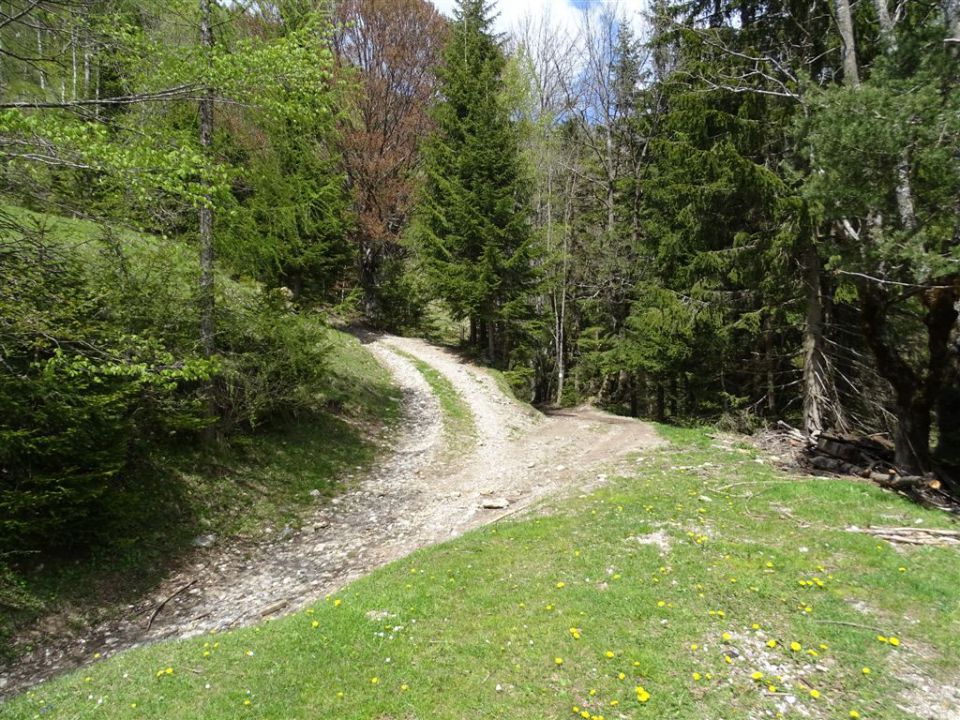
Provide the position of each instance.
(564, 14)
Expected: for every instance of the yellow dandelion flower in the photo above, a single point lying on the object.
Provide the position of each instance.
(866, 671)
(693, 646)
(854, 714)
(726, 637)
(895, 641)
(609, 654)
(757, 675)
(558, 660)
(771, 643)
(576, 709)
(882, 638)
(585, 714)
(621, 676)
(814, 694)
(642, 695)
(561, 584)
(795, 646)
(824, 646)
(246, 702)
(404, 687)
(315, 624)
(593, 691)
(614, 703)
(169, 671)
(338, 602)
(548, 607)
(771, 688)
(900, 569)
(755, 626)
(721, 613)
(374, 681)
(728, 660)
(660, 603)
(697, 676)
(636, 663)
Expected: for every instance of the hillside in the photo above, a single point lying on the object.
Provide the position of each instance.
(696, 580)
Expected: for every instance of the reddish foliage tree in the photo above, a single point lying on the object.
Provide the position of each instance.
(392, 46)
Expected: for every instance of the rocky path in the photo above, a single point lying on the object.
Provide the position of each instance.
(423, 492)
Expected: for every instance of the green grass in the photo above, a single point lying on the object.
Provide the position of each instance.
(474, 628)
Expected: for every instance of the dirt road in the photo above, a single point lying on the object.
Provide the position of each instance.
(428, 489)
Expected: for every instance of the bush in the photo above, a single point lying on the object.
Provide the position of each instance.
(273, 358)
(100, 369)
(77, 394)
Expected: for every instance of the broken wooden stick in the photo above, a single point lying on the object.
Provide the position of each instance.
(159, 607)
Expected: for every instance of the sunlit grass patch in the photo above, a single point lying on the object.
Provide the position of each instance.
(574, 613)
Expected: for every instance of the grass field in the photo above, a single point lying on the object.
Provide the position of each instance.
(705, 585)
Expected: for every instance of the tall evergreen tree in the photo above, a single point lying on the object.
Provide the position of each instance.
(472, 228)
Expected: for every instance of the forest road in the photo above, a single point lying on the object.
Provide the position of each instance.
(430, 487)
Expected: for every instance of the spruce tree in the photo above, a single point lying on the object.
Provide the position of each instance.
(472, 227)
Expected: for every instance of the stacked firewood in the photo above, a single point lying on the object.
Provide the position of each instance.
(871, 458)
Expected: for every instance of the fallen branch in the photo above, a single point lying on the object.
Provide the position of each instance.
(911, 535)
(877, 630)
(159, 607)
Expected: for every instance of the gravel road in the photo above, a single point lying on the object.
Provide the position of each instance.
(428, 488)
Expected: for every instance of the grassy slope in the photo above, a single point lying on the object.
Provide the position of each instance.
(261, 479)
(535, 618)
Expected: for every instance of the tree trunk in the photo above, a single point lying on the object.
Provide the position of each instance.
(492, 341)
(43, 76)
(815, 368)
(207, 300)
(660, 408)
(369, 269)
(771, 365)
(914, 393)
(911, 437)
(952, 19)
(848, 49)
(948, 410)
(887, 30)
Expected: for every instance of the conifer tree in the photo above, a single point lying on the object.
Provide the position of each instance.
(472, 227)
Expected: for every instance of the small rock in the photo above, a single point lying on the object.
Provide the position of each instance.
(204, 541)
(495, 504)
